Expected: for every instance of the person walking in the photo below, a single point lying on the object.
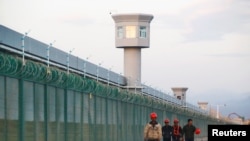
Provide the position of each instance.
(177, 131)
(152, 130)
(189, 130)
(167, 131)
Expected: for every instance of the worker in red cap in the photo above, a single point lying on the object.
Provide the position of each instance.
(188, 130)
(177, 131)
(152, 130)
(167, 130)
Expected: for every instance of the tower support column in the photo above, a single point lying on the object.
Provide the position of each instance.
(132, 66)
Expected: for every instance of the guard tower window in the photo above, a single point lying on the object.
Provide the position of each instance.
(143, 32)
(130, 31)
(119, 32)
(179, 97)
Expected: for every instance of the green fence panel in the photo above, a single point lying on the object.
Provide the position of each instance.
(48, 104)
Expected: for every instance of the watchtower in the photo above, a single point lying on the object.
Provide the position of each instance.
(132, 33)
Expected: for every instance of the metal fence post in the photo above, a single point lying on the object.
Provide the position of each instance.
(21, 111)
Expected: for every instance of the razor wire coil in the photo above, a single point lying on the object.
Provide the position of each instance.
(35, 71)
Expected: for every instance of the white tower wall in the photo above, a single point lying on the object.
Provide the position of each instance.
(132, 32)
(180, 93)
(132, 66)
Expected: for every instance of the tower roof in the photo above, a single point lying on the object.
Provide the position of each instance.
(132, 17)
(179, 88)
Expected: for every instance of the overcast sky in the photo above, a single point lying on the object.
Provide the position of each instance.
(200, 44)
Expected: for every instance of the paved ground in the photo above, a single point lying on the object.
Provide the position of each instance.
(201, 139)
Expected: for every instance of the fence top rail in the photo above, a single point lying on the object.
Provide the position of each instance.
(36, 50)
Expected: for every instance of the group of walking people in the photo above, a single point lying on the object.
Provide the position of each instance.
(153, 130)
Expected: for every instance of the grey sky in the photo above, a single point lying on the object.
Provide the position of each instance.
(203, 45)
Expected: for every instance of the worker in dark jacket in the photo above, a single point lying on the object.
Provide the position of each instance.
(189, 130)
(167, 131)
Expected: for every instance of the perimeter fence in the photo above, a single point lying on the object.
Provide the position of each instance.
(40, 103)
